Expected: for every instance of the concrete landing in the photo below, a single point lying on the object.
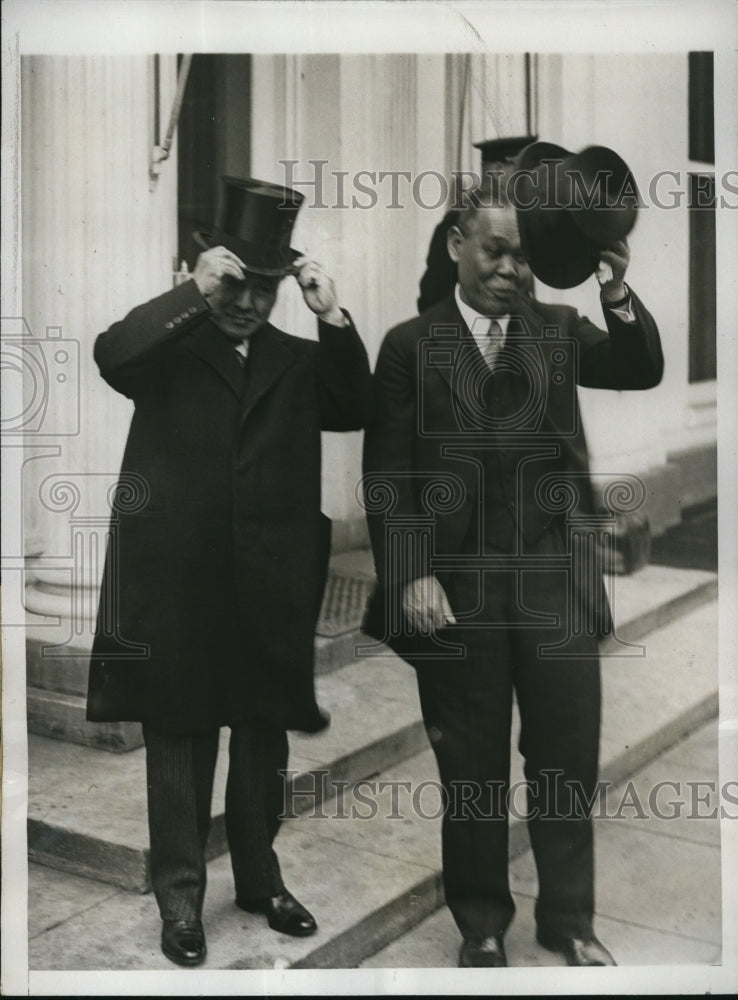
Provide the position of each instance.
(87, 809)
(657, 884)
(368, 864)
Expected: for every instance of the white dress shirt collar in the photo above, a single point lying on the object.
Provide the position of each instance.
(478, 323)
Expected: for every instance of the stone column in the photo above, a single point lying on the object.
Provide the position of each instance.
(99, 235)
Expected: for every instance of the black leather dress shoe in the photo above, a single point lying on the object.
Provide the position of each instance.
(283, 912)
(183, 941)
(577, 950)
(483, 953)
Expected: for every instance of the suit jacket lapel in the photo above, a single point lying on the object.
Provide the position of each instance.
(452, 336)
(554, 417)
(450, 330)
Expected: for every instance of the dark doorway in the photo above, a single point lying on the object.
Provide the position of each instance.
(213, 139)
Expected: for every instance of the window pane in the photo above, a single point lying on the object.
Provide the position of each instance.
(702, 295)
(701, 108)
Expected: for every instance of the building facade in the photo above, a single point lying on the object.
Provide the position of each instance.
(373, 142)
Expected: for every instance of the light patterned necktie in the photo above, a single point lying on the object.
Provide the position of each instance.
(493, 343)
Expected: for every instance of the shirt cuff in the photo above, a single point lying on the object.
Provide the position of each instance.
(624, 311)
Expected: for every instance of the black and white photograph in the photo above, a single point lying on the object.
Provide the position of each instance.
(368, 461)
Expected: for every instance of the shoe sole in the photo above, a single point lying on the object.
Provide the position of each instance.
(181, 960)
(550, 945)
(280, 930)
(298, 932)
(466, 965)
(461, 964)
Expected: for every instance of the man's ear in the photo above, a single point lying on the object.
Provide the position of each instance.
(454, 239)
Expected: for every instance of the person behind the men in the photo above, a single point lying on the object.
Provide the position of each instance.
(440, 275)
(476, 422)
(215, 572)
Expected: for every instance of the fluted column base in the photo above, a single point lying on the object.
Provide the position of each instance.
(57, 665)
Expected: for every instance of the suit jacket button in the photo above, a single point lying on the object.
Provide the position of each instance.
(169, 326)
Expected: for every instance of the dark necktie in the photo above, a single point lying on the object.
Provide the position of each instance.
(243, 363)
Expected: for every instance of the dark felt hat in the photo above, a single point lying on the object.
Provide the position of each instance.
(503, 150)
(255, 222)
(570, 207)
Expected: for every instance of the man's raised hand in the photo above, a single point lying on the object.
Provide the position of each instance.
(618, 258)
(319, 291)
(213, 266)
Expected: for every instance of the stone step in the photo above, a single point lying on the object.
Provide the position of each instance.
(87, 807)
(87, 811)
(642, 864)
(649, 706)
(358, 876)
(368, 862)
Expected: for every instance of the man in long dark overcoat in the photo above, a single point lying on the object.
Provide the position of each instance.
(475, 453)
(219, 550)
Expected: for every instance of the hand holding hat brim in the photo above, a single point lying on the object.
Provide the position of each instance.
(571, 207)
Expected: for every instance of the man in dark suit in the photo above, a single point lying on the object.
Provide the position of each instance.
(475, 440)
(219, 551)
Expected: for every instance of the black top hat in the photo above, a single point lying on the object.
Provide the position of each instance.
(255, 222)
(502, 150)
(570, 207)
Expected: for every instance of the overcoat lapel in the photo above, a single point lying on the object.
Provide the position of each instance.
(213, 347)
(269, 357)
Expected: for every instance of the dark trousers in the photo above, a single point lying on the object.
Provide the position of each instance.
(467, 709)
(179, 773)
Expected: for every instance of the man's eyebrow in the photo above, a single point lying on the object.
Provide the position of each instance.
(498, 242)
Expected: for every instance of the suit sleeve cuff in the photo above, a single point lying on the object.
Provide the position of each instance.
(346, 320)
(623, 308)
